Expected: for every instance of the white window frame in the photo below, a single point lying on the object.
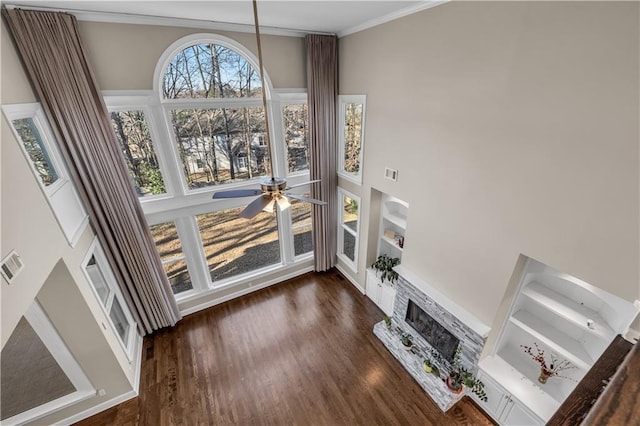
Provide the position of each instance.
(342, 228)
(61, 194)
(39, 321)
(180, 204)
(95, 250)
(343, 100)
(282, 99)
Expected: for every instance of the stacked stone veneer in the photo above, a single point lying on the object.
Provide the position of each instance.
(470, 341)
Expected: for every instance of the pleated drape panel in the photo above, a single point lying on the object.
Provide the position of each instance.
(53, 56)
(322, 92)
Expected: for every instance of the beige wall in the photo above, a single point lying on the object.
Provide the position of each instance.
(124, 56)
(514, 127)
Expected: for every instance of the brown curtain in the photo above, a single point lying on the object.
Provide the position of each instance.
(322, 89)
(52, 54)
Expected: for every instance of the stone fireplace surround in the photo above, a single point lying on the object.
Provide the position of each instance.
(471, 332)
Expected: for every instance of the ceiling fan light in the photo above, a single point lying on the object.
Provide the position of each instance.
(283, 202)
(269, 207)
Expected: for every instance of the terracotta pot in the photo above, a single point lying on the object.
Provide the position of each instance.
(544, 375)
(451, 386)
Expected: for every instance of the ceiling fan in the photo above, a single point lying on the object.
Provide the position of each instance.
(273, 189)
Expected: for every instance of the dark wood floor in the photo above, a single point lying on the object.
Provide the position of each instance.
(301, 352)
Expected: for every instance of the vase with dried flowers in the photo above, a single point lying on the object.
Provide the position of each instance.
(549, 367)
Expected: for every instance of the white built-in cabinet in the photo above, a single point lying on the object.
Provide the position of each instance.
(391, 235)
(564, 316)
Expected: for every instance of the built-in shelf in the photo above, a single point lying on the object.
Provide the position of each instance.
(569, 320)
(390, 242)
(551, 336)
(568, 309)
(395, 218)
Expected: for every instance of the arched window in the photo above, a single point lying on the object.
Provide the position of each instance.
(213, 92)
(202, 126)
(210, 70)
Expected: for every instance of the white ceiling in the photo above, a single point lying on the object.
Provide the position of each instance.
(328, 16)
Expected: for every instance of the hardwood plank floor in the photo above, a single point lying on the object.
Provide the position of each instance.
(298, 353)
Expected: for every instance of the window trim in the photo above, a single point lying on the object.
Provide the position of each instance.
(63, 186)
(181, 205)
(42, 326)
(96, 250)
(343, 100)
(352, 264)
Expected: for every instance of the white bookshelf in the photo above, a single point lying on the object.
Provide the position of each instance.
(564, 316)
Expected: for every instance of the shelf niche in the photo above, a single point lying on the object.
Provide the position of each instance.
(564, 316)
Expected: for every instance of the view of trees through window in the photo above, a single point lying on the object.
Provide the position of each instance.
(296, 136)
(37, 153)
(352, 137)
(209, 102)
(209, 70)
(133, 134)
(220, 145)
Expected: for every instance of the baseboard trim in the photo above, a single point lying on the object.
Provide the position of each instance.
(97, 408)
(245, 291)
(350, 278)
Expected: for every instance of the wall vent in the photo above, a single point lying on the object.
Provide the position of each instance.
(391, 174)
(11, 266)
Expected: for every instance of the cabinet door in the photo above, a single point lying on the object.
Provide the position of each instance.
(497, 397)
(372, 288)
(387, 298)
(517, 414)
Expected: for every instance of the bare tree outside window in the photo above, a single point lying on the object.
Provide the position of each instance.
(169, 248)
(296, 135)
(352, 137)
(35, 149)
(133, 134)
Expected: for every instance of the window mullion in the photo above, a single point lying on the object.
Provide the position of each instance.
(193, 251)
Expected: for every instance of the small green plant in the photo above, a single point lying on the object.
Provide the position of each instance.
(387, 321)
(406, 339)
(460, 376)
(384, 267)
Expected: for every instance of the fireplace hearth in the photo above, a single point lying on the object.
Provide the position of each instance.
(436, 324)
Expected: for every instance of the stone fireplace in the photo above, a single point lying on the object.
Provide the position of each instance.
(433, 320)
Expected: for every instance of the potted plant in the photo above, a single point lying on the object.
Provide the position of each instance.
(387, 321)
(407, 340)
(384, 267)
(548, 368)
(430, 367)
(459, 378)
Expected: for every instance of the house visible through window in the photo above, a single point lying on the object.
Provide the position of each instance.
(201, 131)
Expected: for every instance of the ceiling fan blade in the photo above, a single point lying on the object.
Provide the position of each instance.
(236, 193)
(303, 183)
(256, 207)
(306, 199)
(269, 207)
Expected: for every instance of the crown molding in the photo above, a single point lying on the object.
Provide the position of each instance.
(392, 16)
(128, 18)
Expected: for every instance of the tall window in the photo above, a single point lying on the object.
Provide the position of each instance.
(36, 140)
(133, 134)
(106, 289)
(203, 128)
(348, 228)
(351, 136)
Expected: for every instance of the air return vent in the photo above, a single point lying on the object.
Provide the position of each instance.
(11, 266)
